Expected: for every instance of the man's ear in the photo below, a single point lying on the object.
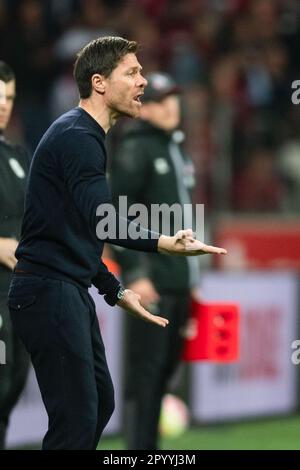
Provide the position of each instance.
(98, 83)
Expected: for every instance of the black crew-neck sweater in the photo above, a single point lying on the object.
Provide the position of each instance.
(66, 185)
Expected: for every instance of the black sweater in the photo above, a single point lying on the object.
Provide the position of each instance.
(67, 183)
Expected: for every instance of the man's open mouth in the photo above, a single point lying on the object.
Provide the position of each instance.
(137, 97)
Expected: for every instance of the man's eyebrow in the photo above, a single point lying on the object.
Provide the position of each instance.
(136, 67)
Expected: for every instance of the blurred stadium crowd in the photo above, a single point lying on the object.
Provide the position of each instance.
(235, 60)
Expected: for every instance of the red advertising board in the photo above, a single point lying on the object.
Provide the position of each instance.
(258, 244)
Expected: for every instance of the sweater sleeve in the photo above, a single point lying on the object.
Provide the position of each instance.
(107, 284)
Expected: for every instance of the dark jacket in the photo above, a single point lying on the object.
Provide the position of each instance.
(150, 167)
(14, 165)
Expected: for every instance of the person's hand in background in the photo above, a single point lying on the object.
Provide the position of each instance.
(189, 330)
(8, 248)
(196, 295)
(146, 290)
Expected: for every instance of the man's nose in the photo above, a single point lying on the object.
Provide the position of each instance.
(143, 82)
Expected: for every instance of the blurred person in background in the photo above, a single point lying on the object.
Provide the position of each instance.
(150, 167)
(29, 50)
(14, 163)
(257, 188)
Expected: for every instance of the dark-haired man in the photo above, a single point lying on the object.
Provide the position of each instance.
(59, 252)
(14, 163)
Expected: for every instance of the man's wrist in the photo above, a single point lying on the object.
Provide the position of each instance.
(112, 298)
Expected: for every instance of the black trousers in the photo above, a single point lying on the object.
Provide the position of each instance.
(58, 324)
(13, 372)
(153, 354)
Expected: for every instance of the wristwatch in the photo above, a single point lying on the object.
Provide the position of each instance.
(121, 293)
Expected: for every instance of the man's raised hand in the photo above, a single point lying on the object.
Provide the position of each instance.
(184, 244)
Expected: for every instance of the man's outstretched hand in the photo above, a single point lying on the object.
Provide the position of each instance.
(131, 303)
(184, 244)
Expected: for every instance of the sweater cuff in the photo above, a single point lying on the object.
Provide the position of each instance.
(111, 297)
(108, 286)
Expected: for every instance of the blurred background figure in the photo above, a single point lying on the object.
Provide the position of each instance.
(150, 167)
(28, 48)
(14, 163)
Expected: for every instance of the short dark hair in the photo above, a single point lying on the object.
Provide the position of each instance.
(101, 56)
(6, 72)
